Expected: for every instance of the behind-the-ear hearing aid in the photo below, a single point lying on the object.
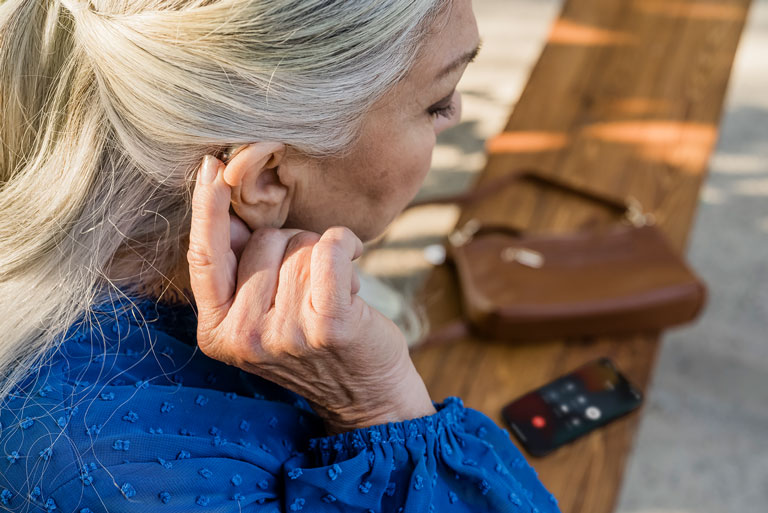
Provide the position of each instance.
(229, 153)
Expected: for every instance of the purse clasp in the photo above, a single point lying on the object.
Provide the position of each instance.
(523, 256)
(636, 216)
(462, 235)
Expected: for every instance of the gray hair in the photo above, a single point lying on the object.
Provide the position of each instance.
(108, 106)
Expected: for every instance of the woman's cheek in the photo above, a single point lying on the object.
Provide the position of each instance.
(423, 163)
(411, 168)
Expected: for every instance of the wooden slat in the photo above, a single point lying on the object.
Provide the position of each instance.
(626, 98)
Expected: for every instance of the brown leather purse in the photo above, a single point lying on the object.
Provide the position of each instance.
(622, 279)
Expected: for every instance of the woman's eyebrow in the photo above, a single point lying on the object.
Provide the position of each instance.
(467, 57)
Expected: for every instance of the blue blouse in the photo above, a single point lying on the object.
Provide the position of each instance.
(127, 415)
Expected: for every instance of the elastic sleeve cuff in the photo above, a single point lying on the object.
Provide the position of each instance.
(334, 448)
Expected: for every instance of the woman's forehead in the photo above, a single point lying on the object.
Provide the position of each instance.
(447, 49)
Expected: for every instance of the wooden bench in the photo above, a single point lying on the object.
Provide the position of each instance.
(626, 98)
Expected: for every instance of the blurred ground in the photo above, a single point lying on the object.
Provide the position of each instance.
(703, 442)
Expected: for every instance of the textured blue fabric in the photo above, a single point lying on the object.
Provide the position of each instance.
(127, 415)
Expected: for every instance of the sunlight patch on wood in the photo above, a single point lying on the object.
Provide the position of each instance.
(714, 11)
(568, 32)
(634, 106)
(528, 141)
(682, 144)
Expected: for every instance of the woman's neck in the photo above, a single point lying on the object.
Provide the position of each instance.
(173, 288)
(176, 289)
(167, 284)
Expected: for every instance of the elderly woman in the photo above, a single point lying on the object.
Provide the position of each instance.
(184, 187)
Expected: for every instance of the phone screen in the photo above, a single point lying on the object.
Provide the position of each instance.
(571, 406)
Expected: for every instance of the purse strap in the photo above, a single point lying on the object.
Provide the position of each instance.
(630, 208)
(494, 185)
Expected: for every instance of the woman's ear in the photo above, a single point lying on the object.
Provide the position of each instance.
(259, 197)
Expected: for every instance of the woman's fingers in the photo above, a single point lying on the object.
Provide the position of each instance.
(212, 264)
(227, 261)
(355, 281)
(239, 233)
(259, 268)
(332, 274)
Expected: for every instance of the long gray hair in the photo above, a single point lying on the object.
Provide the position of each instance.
(108, 106)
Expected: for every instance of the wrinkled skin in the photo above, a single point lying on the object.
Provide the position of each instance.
(275, 286)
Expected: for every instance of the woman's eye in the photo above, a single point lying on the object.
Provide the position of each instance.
(445, 111)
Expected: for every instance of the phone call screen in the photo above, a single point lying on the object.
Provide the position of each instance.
(571, 406)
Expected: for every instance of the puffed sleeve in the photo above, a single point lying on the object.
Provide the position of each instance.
(454, 460)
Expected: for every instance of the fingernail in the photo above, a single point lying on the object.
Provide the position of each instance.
(208, 170)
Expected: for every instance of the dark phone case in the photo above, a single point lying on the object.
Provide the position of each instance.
(571, 406)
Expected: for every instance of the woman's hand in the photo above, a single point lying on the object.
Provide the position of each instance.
(282, 304)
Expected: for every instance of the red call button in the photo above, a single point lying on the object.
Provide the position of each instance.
(538, 421)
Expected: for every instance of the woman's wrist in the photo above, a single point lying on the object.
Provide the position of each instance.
(407, 399)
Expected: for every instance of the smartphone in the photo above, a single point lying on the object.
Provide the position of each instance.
(571, 406)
